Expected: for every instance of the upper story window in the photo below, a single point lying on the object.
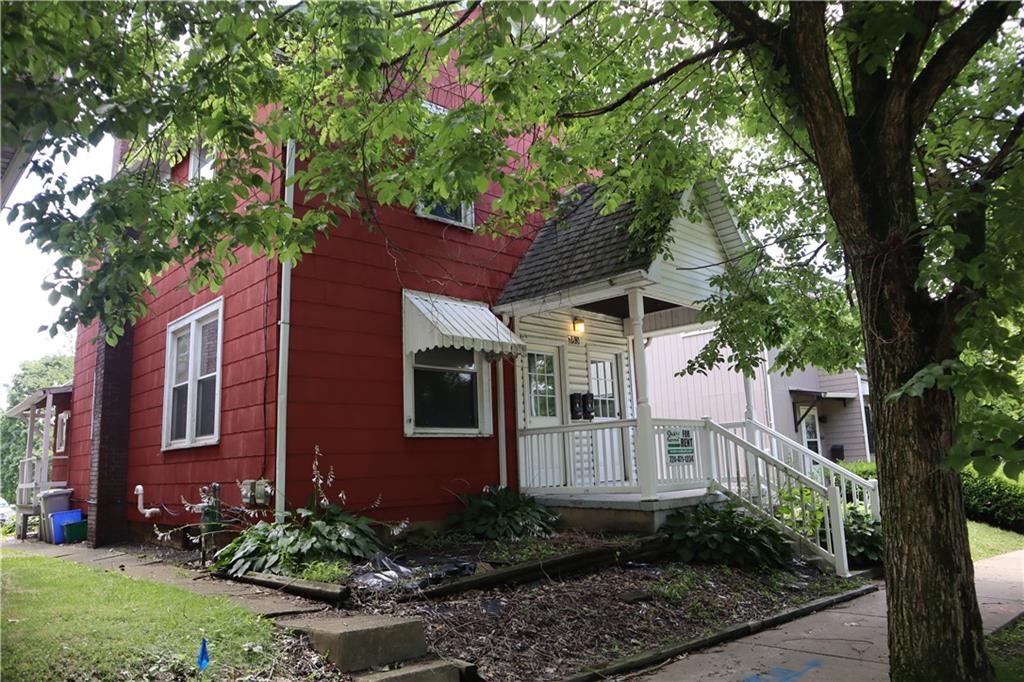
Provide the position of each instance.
(192, 378)
(462, 215)
(201, 161)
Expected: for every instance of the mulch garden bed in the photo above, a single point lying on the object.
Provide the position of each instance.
(551, 629)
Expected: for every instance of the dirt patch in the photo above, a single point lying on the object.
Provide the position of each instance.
(553, 628)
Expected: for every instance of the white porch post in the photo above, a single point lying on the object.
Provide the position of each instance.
(30, 443)
(647, 469)
(44, 462)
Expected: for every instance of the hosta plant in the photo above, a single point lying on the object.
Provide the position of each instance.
(503, 514)
(726, 535)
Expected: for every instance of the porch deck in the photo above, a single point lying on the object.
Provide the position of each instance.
(619, 511)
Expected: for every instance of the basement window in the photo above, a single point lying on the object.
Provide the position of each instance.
(192, 378)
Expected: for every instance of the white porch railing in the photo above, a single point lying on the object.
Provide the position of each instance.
(579, 458)
(601, 457)
(801, 507)
(857, 491)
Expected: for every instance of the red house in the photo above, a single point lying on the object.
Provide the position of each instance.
(423, 359)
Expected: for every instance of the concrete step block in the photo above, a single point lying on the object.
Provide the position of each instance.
(430, 670)
(362, 642)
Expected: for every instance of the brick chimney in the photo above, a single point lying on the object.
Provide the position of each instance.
(108, 469)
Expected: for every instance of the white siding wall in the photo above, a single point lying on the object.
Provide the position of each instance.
(695, 245)
(603, 335)
(718, 394)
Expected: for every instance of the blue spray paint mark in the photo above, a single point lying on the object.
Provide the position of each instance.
(784, 674)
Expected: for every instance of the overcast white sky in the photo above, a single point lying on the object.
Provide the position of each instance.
(23, 304)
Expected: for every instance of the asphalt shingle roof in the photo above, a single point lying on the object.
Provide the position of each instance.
(577, 246)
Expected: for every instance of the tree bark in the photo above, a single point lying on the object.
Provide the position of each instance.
(935, 629)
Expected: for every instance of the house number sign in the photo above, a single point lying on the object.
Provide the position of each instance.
(679, 446)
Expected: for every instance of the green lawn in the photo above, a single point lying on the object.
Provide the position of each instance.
(67, 621)
(987, 541)
(1006, 648)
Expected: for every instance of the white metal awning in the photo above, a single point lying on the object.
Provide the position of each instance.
(433, 321)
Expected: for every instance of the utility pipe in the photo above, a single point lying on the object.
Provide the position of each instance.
(284, 324)
(148, 513)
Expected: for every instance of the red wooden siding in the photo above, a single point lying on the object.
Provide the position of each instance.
(346, 377)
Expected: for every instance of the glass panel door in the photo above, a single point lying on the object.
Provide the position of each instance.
(810, 431)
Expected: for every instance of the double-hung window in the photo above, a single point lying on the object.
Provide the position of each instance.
(192, 379)
(462, 215)
(450, 393)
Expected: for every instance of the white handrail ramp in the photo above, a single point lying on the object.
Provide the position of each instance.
(804, 509)
(859, 493)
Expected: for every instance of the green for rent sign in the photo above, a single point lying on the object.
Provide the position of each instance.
(679, 446)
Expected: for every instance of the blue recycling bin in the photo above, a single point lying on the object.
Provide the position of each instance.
(57, 521)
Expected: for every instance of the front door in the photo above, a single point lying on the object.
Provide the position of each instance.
(608, 457)
(541, 457)
(810, 431)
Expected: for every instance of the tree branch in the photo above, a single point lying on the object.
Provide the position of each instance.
(746, 20)
(953, 55)
(995, 167)
(423, 8)
(633, 92)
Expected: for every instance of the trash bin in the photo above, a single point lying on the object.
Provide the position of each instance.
(57, 521)
(75, 531)
(50, 502)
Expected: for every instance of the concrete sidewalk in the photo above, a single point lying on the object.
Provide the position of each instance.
(259, 600)
(847, 643)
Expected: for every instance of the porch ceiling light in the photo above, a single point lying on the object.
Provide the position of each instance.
(578, 325)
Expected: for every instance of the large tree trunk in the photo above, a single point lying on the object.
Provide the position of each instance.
(935, 630)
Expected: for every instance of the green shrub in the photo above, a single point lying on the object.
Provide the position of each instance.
(726, 535)
(325, 571)
(862, 468)
(327, 534)
(864, 546)
(503, 514)
(994, 499)
(319, 532)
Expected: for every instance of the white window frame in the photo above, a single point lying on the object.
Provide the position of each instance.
(484, 428)
(468, 221)
(61, 439)
(192, 321)
(812, 413)
(195, 168)
(614, 361)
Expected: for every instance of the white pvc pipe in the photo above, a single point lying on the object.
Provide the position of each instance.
(284, 323)
(148, 513)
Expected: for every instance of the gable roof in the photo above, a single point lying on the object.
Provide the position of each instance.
(580, 246)
(577, 246)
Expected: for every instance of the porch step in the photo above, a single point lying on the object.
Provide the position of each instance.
(363, 642)
(426, 670)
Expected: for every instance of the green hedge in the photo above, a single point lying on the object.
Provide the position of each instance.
(994, 499)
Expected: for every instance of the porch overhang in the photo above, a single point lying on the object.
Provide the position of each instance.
(433, 321)
(38, 399)
(577, 296)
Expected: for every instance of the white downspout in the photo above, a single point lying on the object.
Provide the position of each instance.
(284, 324)
(863, 422)
(502, 446)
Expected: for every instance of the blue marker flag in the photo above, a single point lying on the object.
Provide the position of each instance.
(204, 656)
